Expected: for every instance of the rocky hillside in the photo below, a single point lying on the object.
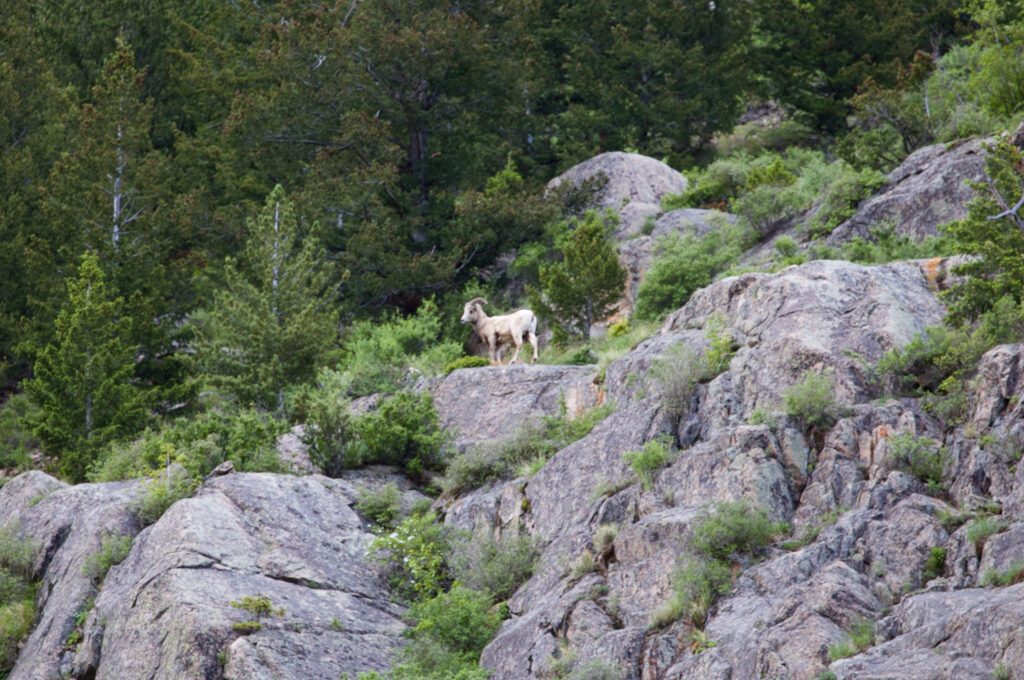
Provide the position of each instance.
(930, 565)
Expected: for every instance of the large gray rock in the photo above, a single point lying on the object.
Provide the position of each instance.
(165, 612)
(635, 186)
(824, 315)
(68, 524)
(927, 190)
(488, 404)
(938, 635)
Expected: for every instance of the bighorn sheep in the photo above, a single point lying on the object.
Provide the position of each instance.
(495, 330)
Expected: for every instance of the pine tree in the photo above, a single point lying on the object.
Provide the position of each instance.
(273, 321)
(83, 378)
(583, 287)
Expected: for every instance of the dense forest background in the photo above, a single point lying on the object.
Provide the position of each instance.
(206, 202)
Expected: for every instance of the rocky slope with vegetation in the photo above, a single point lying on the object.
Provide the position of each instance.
(776, 430)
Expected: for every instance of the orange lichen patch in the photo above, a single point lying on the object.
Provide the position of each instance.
(932, 270)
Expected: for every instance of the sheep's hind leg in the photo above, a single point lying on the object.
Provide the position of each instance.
(531, 338)
(519, 346)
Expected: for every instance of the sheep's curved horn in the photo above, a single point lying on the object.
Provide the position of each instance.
(478, 301)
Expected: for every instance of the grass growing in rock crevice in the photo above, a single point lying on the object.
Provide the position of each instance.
(523, 454)
(722, 538)
(17, 595)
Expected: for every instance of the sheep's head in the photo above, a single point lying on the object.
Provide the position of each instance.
(473, 310)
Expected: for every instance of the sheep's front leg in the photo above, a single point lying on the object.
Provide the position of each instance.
(492, 348)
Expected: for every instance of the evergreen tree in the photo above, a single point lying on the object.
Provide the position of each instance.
(993, 232)
(273, 321)
(583, 287)
(83, 378)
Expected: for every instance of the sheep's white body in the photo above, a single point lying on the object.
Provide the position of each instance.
(496, 331)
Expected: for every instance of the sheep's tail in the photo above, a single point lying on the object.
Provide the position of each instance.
(533, 323)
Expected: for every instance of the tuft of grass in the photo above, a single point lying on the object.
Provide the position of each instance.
(733, 529)
(861, 636)
(653, 456)
(604, 538)
(113, 549)
(920, 456)
(161, 493)
(1007, 577)
(981, 529)
(336, 625)
(466, 362)
(811, 533)
(583, 565)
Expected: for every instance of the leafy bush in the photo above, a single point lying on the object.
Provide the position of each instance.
(113, 549)
(922, 457)
(721, 346)
(733, 529)
(653, 456)
(466, 362)
(17, 594)
(596, 669)
(386, 355)
(449, 631)
(16, 438)
(161, 493)
(495, 566)
(861, 636)
(811, 401)
(323, 408)
(414, 555)
(883, 245)
(684, 264)
(935, 565)
(382, 505)
(841, 197)
(403, 431)
(198, 444)
(697, 585)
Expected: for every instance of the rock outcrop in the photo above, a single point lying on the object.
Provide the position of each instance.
(927, 190)
(634, 188)
(166, 612)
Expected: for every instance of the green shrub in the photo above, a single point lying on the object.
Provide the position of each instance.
(466, 362)
(883, 245)
(811, 401)
(324, 409)
(721, 346)
(403, 431)
(604, 538)
(17, 594)
(113, 549)
(259, 607)
(16, 438)
(414, 556)
(16, 554)
(161, 493)
(653, 456)
(762, 416)
(841, 197)
(684, 264)
(1001, 672)
(493, 566)
(922, 457)
(247, 438)
(449, 631)
(471, 470)
(381, 505)
(385, 355)
(581, 357)
(935, 565)
(861, 636)
(697, 583)
(16, 619)
(732, 529)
